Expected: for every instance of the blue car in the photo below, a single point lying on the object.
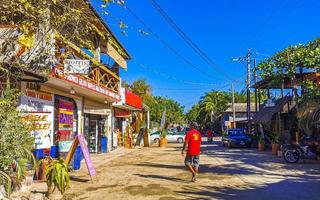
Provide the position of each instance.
(235, 138)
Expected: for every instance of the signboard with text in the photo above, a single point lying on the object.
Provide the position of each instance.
(76, 66)
(37, 110)
(85, 83)
(80, 140)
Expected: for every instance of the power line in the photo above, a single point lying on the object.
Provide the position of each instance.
(171, 77)
(187, 39)
(168, 46)
(181, 88)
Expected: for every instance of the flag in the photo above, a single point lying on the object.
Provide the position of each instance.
(163, 119)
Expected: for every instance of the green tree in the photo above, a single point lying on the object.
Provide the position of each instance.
(15, 139)
(213, 103)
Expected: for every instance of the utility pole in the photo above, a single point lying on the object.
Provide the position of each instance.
(255, 82)
(247, 59)
(233, 107)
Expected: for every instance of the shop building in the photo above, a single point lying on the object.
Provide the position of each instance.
(77, 95)
(130, 116)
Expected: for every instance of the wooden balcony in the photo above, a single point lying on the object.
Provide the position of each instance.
(99, 74)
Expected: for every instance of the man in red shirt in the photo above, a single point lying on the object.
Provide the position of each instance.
(193, 141)
(210, 135)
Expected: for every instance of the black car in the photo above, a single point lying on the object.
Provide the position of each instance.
(235, 138)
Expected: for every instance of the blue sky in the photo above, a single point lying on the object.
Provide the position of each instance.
(222, 29)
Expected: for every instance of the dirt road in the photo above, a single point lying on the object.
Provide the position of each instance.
(159, 174)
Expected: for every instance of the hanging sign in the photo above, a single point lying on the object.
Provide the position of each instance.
(76, 66)
(122, 113)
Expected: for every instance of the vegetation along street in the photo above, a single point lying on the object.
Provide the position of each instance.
(159, 100)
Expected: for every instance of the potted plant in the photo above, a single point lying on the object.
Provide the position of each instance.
(275, 143)
(261, 144)
(57, 178)
(163, 138)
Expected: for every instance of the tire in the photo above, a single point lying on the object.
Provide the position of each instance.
(157, 140)
(291, 156)
(180, 140)
(229, 145)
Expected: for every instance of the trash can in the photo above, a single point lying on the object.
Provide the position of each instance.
(38, 154)
(104, 144)
(77, 157)
(54, 151)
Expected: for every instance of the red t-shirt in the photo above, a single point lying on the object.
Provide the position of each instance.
(193, 139)
(210, 133)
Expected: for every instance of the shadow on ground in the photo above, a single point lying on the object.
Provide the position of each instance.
(293, 189)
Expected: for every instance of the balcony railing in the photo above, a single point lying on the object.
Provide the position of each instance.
(98, 73)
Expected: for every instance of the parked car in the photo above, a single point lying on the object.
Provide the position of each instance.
(235, 138)
(176, 137)
(171, 136)
(155, 136)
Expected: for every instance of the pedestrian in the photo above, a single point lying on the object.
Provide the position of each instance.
(210, 135)
(193, 143)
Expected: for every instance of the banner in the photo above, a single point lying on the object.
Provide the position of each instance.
(163, 119)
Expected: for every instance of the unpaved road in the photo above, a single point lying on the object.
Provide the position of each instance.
(158, 174)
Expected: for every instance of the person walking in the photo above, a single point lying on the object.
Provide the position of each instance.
(210, 135)
(193, 142)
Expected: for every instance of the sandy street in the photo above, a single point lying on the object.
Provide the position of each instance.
(159, 174)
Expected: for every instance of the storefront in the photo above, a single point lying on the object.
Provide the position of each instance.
(97, 127)
(66, 118)
(123, 113)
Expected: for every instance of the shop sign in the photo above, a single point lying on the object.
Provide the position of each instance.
(86, 156)
(65, 116)
(36, 101)
(41, 128)
(81, 81)
(97, 111)
(122, 113)
(76, 66)
(80, 140)
(37, 111)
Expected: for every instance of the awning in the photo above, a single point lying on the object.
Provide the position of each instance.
(133, 100)
(265, 114)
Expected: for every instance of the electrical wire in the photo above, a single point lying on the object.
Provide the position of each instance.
(188, 40)
(168, 46)
(171, 77)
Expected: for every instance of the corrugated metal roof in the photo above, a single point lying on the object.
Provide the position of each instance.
(265, 114)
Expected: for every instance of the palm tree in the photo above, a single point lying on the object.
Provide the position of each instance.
(212, 104)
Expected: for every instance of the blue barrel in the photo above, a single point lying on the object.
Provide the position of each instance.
(77, 157)
(38, 154)
(54, 151)
(104, 144)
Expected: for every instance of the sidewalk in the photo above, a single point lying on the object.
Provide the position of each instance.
(39, 188)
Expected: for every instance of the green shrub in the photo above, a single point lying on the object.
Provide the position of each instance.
(57, 175)
(15, 139)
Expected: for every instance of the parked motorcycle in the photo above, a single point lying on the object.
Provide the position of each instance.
(308, 149)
